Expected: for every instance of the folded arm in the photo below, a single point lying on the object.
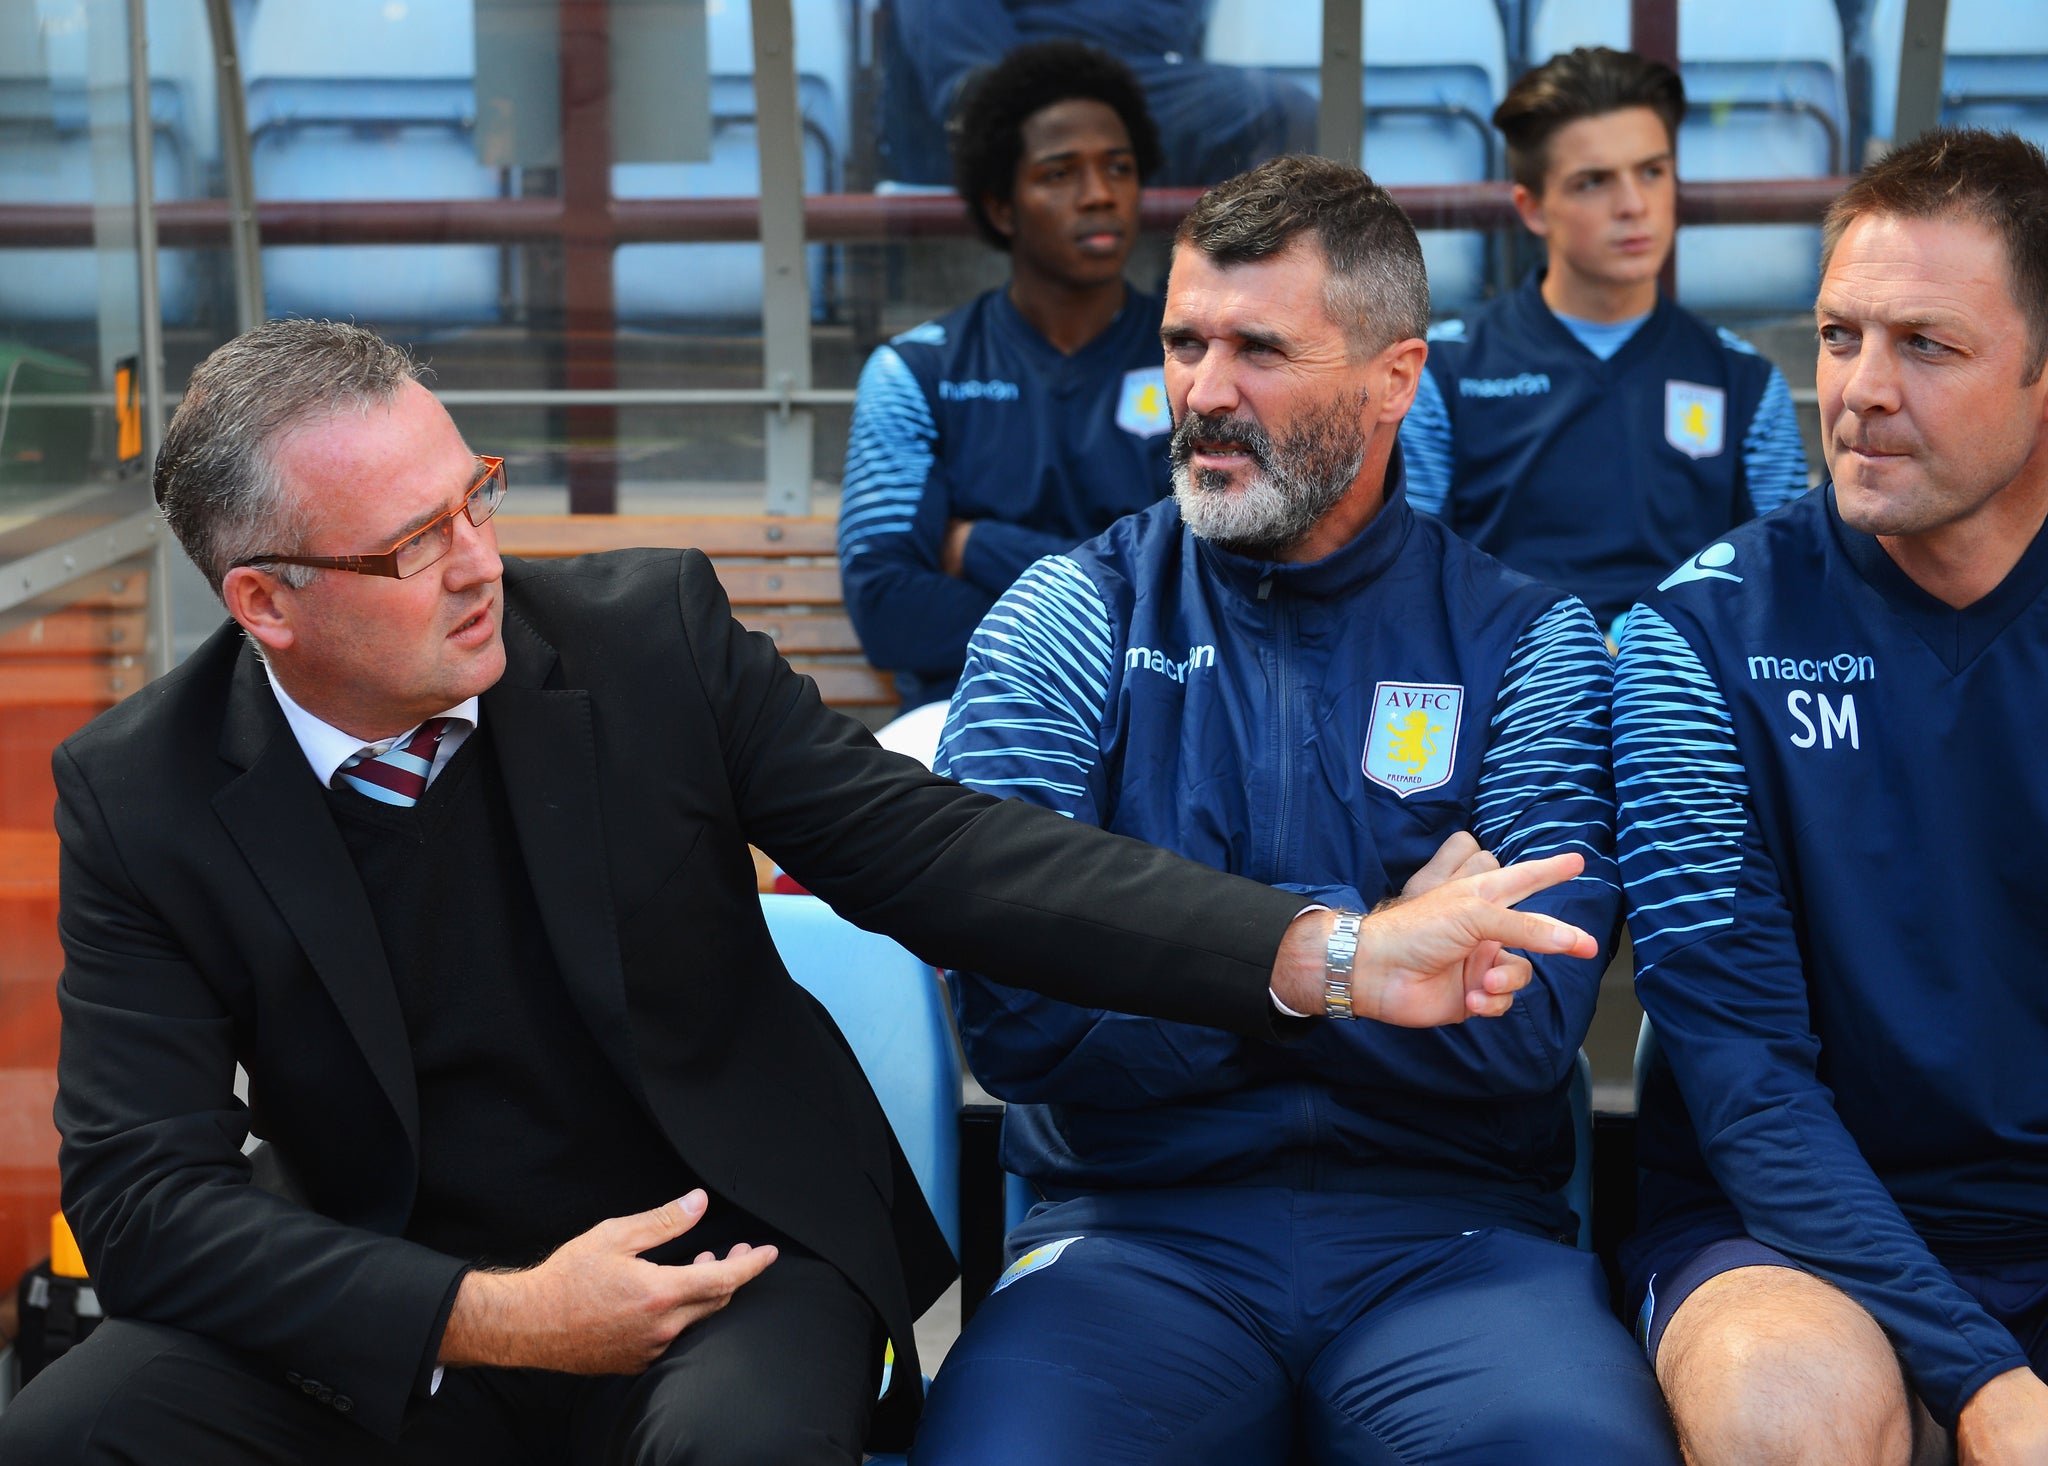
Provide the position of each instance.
(893, 514)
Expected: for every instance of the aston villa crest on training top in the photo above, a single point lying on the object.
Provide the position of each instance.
(1142, 408)
(1412, 744)
(1694, 418)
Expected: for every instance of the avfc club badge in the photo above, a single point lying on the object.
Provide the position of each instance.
(1412, 744)
(1142, 409)
(1694, 418)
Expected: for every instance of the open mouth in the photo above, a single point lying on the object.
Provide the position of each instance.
(470, 626)
(1220, 454)
(1217, 443)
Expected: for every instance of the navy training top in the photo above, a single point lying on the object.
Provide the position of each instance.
(1597, 476)
(1324, 727)
(977, 416)
(1831, 838)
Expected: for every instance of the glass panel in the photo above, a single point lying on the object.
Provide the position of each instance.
(455, 109)
(70, 320)
(71, 460)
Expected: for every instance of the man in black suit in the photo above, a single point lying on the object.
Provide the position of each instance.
(449, 854)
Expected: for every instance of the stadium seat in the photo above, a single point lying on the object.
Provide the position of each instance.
(46, 157)
(1767, 99)
(893, 1010)
(1994, 72)
(722, 282)
(361, 99)
(1433, 75)
(1646, 1055)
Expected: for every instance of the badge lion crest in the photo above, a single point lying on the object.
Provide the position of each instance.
(1694, 417)
(1142, 408)
(1412, 743)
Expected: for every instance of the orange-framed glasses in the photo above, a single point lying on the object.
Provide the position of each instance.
(425, 546)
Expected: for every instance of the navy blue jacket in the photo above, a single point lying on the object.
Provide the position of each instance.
(1597, 476)
(1831, 832)
(1324, 727)
(977, 416)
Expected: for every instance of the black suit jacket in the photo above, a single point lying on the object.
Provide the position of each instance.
(210, 914)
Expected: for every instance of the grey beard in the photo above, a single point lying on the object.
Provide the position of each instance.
(1294, 483)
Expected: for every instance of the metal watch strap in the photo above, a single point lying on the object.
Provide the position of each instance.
(1338, 955)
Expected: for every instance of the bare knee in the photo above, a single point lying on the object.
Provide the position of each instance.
(1768, 1366)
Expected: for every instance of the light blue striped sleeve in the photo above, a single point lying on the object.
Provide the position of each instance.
(1026, 718)
(1544, 784)
(1684, 796)
(1773, 456)
(888, 454)
(1426, 447)
(1544, 789)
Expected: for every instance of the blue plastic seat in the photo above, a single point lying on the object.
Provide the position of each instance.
(894, 1012)
(359, 99)
(1433, 75)
(46, 157)
(1766, 99)
(1994, 70)
(722, 282)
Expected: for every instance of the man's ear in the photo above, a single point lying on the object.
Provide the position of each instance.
(1001, 213)
(255, 598)
(1404, 362)
(1529, 204)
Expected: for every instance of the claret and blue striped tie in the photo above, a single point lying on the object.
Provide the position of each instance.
(398, 775)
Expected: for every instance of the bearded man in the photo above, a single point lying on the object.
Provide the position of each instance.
(1353, 1248)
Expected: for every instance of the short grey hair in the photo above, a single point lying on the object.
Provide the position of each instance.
(1378, 291)
(215, 479)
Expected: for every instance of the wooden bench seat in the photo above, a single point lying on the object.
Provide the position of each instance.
(781, 573)
(62, 662)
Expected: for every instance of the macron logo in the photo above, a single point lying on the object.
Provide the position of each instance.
(989, 391)
(1706, 565)
(1144, 659)
(1528, 384)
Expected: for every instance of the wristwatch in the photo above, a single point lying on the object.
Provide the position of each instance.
(1338, 954)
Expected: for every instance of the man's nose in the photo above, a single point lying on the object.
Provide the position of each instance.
(1872, 382)
(473, 556)
(1212, 385)
(1096, 192)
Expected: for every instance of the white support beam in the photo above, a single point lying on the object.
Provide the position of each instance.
(1920, 66)
(785, 283)
(1340, 113)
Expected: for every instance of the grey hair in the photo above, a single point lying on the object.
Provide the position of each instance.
(1378, 290)
(216, 481)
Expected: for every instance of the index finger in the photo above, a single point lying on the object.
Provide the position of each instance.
(694, 1282)
(1514, 884)
(1527, 932)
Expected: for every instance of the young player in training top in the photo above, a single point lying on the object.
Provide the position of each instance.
(1585, 429)
(1035, 415)
(1826, 735)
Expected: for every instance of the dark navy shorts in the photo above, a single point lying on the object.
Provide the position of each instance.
(1667, 1264)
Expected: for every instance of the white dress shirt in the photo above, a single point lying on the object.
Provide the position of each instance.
(327, 748)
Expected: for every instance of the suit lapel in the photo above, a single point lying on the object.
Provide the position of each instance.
(276, 814)
(547, 754)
